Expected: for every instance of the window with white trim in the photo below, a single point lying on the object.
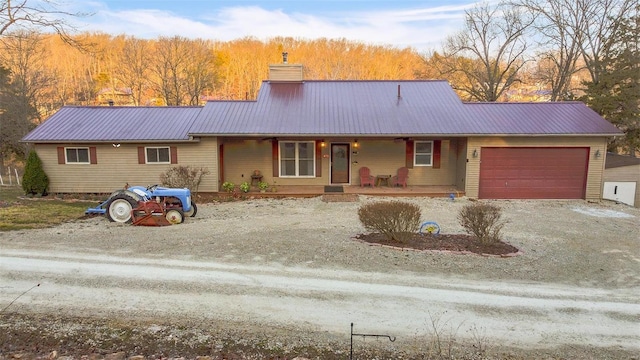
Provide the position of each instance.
(423, 153)
(158, 155)
(76, 155)
(297, 158)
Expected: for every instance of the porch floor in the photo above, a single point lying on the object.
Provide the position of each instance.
(317, 190)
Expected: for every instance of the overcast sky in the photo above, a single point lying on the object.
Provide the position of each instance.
(409, 23)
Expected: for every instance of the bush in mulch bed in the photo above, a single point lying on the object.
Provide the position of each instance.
(396, 220)
(442, 242)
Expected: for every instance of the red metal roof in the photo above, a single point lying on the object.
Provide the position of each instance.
(339, 108)
(115, 123)
(310, 108)
(373, 108)
(540, 118)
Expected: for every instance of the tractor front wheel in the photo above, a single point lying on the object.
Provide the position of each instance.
(193, 211)
(119, 208)
(175, 216)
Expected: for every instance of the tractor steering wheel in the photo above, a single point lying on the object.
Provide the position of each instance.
(152, 187)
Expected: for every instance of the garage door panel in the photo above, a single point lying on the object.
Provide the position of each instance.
(533, 173)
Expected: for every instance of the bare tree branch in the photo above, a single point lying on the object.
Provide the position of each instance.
(571, 30)
(134, 70)
(489, 52)
(33, 14)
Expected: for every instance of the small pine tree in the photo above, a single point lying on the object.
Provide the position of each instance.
(35, 180)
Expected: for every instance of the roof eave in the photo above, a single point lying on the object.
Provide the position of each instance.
(397, 135)
(80, 141)
(547, 135)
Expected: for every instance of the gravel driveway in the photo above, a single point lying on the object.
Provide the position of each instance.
(289, 271)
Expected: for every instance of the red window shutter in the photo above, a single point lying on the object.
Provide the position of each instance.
(437, 146)
(93, 157)
(61, 157)
(318, 158)
(274, 158)
(141, 157)
(409, 154)
(174, 154)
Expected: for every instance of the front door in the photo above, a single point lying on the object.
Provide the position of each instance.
(340, 163)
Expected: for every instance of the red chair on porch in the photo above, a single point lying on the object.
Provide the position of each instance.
(365, 177)
(401, 178)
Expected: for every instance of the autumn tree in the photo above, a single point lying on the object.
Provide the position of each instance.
(184, 70)
(70, 67)
(242, 64)
(20, 16)
(133, 67)
(24, 84)
(24, 53)
(489, 52)
(16, 111)
(169, 63)
(200, 71)
(6, 94)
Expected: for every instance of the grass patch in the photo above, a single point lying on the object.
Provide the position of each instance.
(18, 212)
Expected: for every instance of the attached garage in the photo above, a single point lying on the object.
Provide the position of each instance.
(533, 172)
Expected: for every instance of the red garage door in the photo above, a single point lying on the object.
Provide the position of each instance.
(533, 173)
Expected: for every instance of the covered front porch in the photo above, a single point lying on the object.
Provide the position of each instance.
(312, 167)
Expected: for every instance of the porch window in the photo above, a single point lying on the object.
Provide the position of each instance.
(297, 158)
(423, 153)
(158, 155)
(76, 155)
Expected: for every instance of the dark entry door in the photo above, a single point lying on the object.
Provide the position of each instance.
(339, 163)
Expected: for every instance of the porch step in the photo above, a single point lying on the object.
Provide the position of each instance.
(334, 189)
(340, 197)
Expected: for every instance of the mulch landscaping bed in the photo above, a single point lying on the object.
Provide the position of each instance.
(443, 242)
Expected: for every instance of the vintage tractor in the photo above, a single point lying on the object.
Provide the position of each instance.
(153, 206)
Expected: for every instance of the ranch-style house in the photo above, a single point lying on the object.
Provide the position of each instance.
(302, 134)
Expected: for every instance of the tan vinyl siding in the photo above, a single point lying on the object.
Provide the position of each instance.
(381, 157)
(595, 167)
(445, 175)
(285, 73)
(242, 157)
(384, 157)
(624, 174)
(117, 166)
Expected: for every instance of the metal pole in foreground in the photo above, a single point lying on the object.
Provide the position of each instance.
(391, 338)
(351, 353)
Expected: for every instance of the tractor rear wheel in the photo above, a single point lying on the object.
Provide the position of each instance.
(174, 216)
(193, 211)
(119, 208)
